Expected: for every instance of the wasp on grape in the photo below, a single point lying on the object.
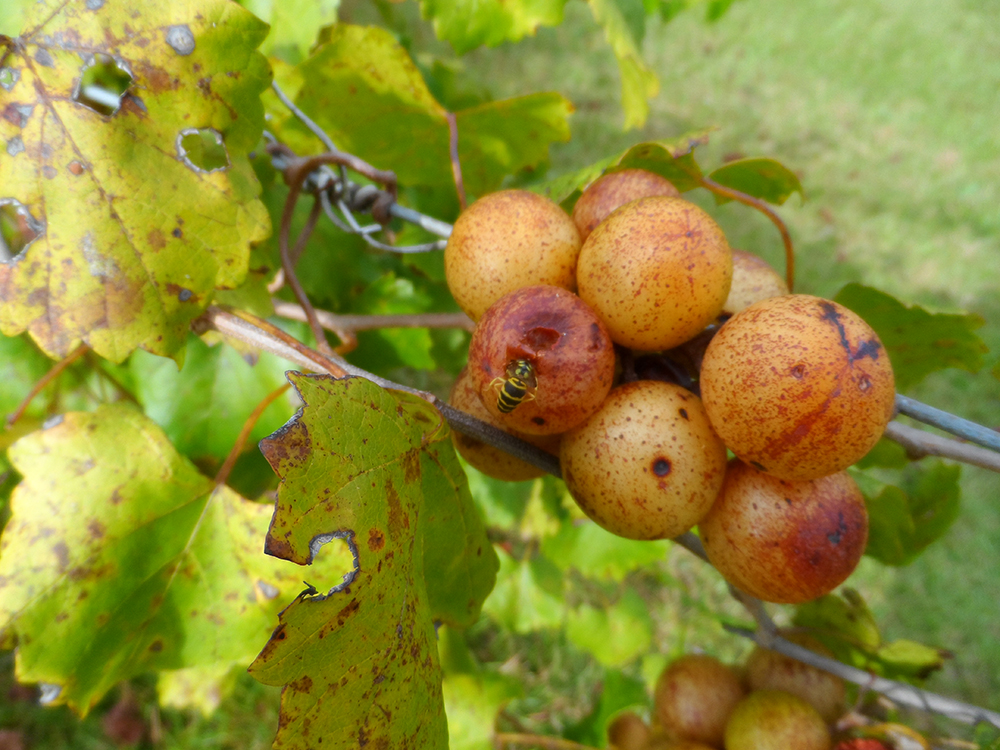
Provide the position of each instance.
(516, 387)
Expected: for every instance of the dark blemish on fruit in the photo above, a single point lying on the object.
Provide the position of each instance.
(683, 413)
(798, 371)
(661, 467)
(759, 467)
(538, 420)
(864, 383)
(842, 529)
(868, 348)
(788, 500)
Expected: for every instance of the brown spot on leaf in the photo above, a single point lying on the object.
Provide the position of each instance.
(96, 529)
(156, 646)
(155, 239)
(375, 540)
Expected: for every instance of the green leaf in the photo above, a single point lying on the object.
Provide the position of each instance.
(119, 551)
(717, 9)
(362, 87)
(467, 24)
(376, 468)
(766, 179)
(672, 159)
(918, 342)
(614, 635)
(200, 688)
(639, 83)
(903, 659)
(597, 553)
(472, 702)
(528, 595)
(137, 258)
(841, 621)
(903, 521)
(21, 366)
(202, 406)
(886, 453)
(619, 692)
(294, 24)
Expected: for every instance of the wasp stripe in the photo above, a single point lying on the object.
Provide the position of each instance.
(511, 394)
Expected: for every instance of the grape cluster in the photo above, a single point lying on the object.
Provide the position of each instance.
(631, 341)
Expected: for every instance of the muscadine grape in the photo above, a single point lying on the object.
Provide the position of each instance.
(798, 386)
(647, 464)
(614, 190)
(695, 696)
(782, 540)
(769, 670)
(505, 241)
(541, 360)
(656, 271)
(774, 720)
(753, 281)
(487, 459)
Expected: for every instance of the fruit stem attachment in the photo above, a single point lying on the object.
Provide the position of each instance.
(749, 200)
(898, 692)
(958, 426)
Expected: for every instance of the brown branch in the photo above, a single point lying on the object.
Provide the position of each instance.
(919, 444)
(244, 435)
(55, 372)
(124, 392)
(749, 200)
(341, 324)
(456, 165)
(506, 739)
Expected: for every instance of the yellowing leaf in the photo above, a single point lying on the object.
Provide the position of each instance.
(639, 83)
(362, 87)
(119, 559)
(135, 235)
(360, 663)
(468, 24)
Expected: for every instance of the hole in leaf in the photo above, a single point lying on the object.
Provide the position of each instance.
(202, 149)
(103, 84)
(8, 77)
(17, 229)
(316, 544)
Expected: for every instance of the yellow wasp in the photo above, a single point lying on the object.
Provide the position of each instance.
(514, 389)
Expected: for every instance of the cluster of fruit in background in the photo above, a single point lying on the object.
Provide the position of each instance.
(673, 349)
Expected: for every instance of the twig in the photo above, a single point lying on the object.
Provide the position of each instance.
(456, 165)
(899, 692)
(919, 443)
(244, 435)
(352, 227)
(338, 323)
(963, 428)
(95, 364)
(504, 739)
(765, 209)
(43, 381)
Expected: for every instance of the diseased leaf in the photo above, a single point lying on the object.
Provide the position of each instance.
(203, 406)
(528, 595)
(672, 159)
(639, 83)
(120, 558)
(614, 635)
(597, 553)
(766, 179)
(904, 520)
(359, 663)
(125, 261)
(918, 342)
(362, 87)
(467, 24)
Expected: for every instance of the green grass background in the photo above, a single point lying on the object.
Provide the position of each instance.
(889, 111)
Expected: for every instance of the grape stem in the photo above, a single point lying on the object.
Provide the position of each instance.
(919, 443)
(899, 692)
(958, 426)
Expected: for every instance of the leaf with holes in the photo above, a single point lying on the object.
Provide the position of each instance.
(672, 159)
(362, 87)
(468, 24)
(918, 342)
(126, 132)
(119, 558)
(766, 179)
(360, 663)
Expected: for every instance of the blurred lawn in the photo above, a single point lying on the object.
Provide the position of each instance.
(889, 113)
